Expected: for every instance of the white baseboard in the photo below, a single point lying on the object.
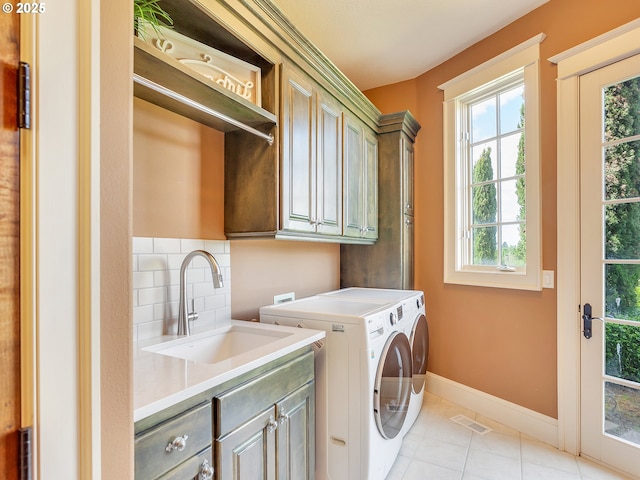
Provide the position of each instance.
(529, 422)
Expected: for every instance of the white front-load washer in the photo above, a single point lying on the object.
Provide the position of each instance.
(410, 306)
(363, 383)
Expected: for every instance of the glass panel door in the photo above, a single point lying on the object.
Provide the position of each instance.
(610, 269)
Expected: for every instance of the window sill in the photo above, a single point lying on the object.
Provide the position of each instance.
(496, 279)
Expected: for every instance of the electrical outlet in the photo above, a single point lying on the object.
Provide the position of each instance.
(284, 297)
(548, 279)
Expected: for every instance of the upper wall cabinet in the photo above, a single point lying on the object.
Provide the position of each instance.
(311, 155)
(291, 167)
(327, 172)
(360, 181)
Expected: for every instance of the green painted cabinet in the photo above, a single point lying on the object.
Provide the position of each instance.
(389, 263)
(360, 180)
(266, 427)
(176, 446)
(311, 165)
(260, 425)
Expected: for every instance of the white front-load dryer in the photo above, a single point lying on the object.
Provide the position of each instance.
(410, 307)
(363, 383)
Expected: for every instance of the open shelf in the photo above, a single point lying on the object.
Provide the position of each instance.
(163, 70)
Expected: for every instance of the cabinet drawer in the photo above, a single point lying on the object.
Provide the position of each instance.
(151, 456)
(192, 468)
(237, 406)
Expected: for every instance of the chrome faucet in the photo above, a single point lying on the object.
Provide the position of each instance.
(183, 317)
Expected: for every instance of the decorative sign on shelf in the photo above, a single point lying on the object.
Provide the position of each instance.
(229, 72)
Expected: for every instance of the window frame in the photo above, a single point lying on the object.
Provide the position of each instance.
(522, 58)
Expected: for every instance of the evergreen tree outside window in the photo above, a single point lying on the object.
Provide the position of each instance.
(498, 201)
(492, 178)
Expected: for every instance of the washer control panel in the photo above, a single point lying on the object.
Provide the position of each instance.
(375, 324)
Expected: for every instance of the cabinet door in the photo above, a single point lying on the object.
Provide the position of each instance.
(298, 176)
(353, 177)
(329, 166)
(407, 174)
(361, 180)
(296, 434)
(248, 453)
(370, 164)
(407, 253)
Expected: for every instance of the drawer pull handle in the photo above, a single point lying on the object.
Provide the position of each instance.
(178, 443)
(272, 425)
(206, 471)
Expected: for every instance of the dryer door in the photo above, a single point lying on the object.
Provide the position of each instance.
(419, 352)
(392, 389)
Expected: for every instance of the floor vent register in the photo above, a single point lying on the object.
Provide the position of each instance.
(471, 424)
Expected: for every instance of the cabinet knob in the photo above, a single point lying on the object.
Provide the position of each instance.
(206, 471)
(272, 425)
(178, 443)
(283, 417)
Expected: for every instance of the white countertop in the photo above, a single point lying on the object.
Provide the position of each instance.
(161, 381)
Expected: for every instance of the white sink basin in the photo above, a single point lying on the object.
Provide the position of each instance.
(218, 345)
(177, 369)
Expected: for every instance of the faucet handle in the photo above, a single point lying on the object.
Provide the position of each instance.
(192, 315)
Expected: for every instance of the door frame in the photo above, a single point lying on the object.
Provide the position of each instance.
(28, 368)
(618, 44)
(75, 213)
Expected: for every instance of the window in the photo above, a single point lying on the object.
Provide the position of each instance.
(492, 178)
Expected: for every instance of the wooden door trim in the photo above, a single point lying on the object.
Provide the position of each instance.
(10, 380)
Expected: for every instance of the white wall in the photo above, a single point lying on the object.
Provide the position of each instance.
(82, 96)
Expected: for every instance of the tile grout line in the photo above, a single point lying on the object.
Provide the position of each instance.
(466, 457)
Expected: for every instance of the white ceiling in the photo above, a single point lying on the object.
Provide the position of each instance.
(378, 42)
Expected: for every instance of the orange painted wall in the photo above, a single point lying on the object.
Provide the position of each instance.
(178, 176)
(261, 269)
(502, 342)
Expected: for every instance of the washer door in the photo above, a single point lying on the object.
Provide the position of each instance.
(392, 390)
(419, 352)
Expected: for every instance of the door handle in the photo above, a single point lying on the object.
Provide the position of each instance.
(587, 321)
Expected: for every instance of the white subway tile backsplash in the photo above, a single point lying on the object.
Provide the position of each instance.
(187, 246)
(142, 314)
(162, 278)
(152, 261)
(215, 302)
(143, 280)
(196, 274)
(142, 245)
(174, 260)
(216, 246)
(166, 245)
(156, 284)
(150, 330)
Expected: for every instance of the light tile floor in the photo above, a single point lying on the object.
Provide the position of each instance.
(436, 448)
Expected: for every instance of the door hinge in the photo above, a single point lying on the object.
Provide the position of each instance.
(26, 453)
(24, 95)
